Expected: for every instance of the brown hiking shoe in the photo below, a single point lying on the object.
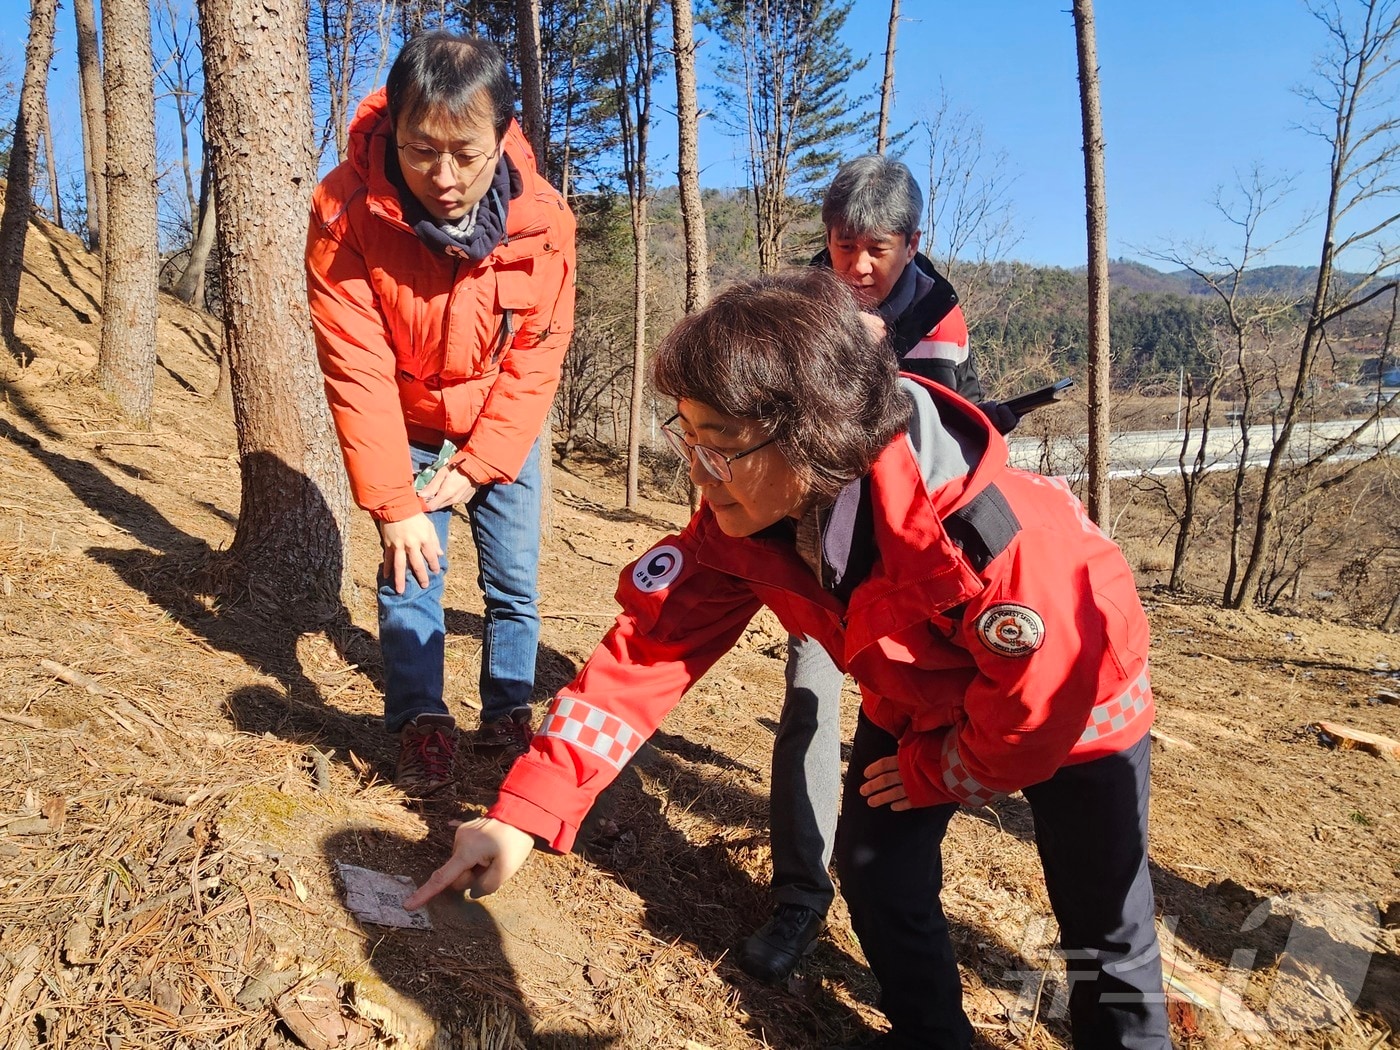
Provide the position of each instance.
(427, 747)
(510, 732)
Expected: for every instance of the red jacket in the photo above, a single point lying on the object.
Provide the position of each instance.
(992, 628)
(416, 344)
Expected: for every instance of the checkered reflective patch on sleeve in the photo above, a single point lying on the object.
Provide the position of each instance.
(961, 784)
(1112, 715)
(591, 729)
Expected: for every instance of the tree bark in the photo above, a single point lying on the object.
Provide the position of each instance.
(634, 29)
(291, 536)
(190, 287)
(52, 168)
(697, 250)
(19, 196)
(126, 360)
(527, 35)
(94, 121)
(527, 28)
(697, 240)
(887, 85)
(1096, 224)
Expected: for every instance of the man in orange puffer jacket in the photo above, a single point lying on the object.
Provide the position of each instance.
(440, 274)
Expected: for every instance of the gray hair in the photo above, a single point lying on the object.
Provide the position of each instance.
(873, 195)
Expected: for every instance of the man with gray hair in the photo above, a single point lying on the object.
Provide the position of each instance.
(871, 212)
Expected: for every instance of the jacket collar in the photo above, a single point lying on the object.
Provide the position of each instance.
(884, 538)
(490, 228)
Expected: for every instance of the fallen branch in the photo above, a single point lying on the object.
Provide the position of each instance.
(24, 720)
(125, 713)
(203, 886)
(1170, 743)
(321, 764)
(72, 677)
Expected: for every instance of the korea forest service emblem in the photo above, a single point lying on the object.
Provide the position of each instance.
(657, 568)
(1011, 630)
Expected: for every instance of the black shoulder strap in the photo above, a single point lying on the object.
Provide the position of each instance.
(984, 527)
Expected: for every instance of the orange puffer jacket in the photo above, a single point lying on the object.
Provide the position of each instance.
(418, 345)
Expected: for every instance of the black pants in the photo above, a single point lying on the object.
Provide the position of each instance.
(1091, 831)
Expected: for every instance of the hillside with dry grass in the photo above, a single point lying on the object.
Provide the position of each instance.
(184, 780)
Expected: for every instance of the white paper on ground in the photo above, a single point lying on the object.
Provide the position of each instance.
(378, 898)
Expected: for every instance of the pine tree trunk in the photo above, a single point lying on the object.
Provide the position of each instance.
(639, 346)
(94, 121)
(291, 536)
(697, 251)
(527, 25)
(19, 197)
(126, 361)
(1096, 220)
(887, 85)
(53, 169)
(190, 287)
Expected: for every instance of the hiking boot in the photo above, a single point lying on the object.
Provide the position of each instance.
(511, 733)
(772, 952)
(427, 747)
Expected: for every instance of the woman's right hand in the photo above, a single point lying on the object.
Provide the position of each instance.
(485, 854)
(410, 544)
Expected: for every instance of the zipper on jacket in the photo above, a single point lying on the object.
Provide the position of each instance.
(447, 316)
(503, 341)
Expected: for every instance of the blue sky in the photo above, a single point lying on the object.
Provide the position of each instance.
(1194, 92)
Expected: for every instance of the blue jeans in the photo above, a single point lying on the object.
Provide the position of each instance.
(505, 523)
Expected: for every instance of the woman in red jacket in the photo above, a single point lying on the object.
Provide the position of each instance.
(995, 633)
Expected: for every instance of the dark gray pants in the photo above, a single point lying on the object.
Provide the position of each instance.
(1091, 832)
(806, 789)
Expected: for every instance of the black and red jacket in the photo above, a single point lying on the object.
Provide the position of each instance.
(926, 326)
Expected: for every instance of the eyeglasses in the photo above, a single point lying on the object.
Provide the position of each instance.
(715, 462)
(423, 158)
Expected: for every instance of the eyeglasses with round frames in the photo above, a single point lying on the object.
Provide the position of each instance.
(423, 158)
(715, 462)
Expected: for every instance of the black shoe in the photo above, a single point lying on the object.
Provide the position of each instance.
(510, 733)
(772, 952)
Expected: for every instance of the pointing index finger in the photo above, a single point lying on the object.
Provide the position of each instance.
(438, 881)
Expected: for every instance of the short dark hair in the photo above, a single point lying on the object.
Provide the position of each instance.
(790, 351)
(873, 195)
(440, 71)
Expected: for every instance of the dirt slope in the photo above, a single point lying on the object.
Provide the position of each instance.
(180, 775)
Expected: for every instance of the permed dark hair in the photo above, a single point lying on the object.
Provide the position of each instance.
(443, 72)
(790, 351)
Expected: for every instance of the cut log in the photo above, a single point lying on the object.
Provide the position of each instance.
(1346, 738)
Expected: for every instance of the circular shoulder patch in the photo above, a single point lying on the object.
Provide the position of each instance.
(657, 568)
(1011, 630)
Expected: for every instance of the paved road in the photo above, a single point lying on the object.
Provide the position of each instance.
(1156, 451)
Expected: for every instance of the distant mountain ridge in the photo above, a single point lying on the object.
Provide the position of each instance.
(1287, 281)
